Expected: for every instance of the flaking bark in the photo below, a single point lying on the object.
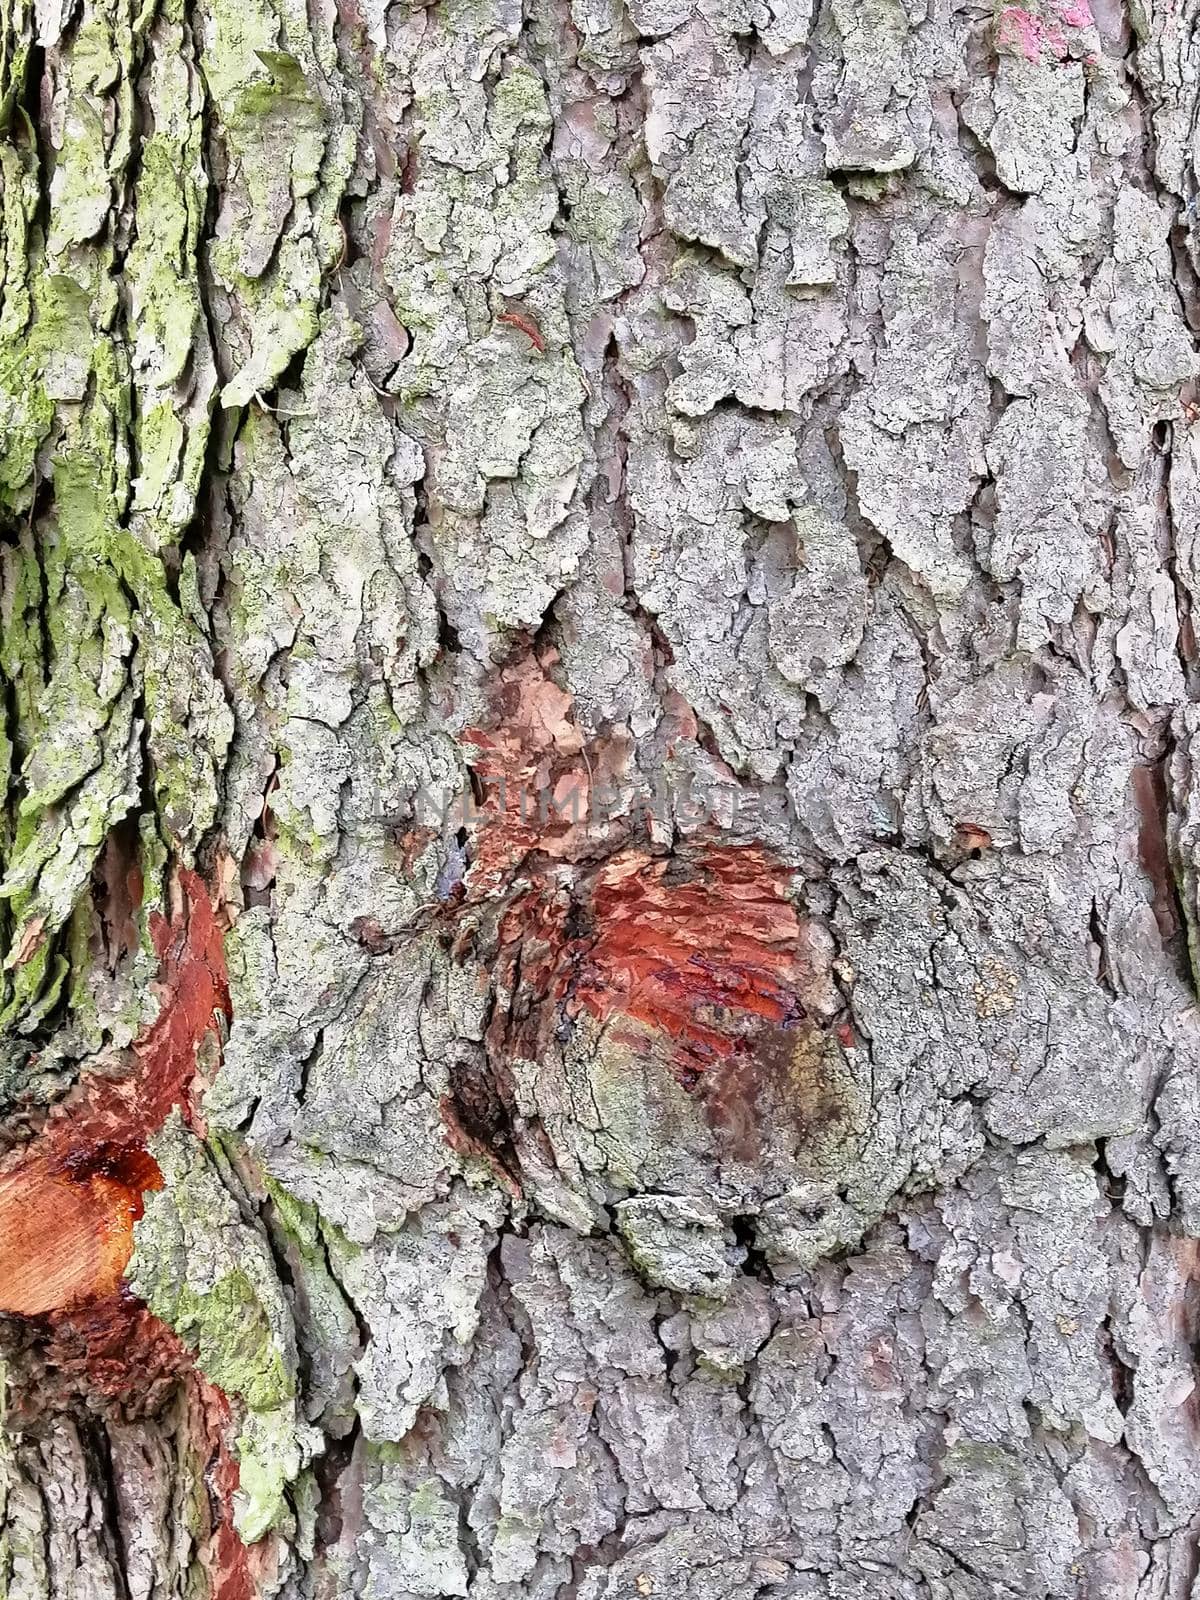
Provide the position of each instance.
(599, 855)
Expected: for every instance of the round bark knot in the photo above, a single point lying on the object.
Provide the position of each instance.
(662, 1020)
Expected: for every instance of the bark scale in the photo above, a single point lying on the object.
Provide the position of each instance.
(599, 857)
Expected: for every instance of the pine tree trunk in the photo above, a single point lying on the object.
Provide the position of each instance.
(600, 854)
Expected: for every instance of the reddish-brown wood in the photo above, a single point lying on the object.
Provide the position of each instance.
(68, 1204)
(709, 960)
(69, 1200)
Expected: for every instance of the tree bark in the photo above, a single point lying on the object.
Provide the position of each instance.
(600, 849)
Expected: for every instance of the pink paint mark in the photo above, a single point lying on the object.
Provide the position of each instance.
(1077, 14)
(1030, 34)
(1026, 30)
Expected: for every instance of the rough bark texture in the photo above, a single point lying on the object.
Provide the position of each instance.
(600, 851)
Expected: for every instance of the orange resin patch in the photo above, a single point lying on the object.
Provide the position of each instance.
(66, 1233)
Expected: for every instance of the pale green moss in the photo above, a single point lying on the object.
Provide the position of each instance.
(81, 193)
(269, 1458)
(600, 215)
(229, 1330)
(167, 299)
(520, 99)
(21, 640)
(68, 409)
(298, 1219)
(160, 444)
(26, 411)
(288, 175)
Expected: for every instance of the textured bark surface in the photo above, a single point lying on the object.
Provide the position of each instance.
(600, 882)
